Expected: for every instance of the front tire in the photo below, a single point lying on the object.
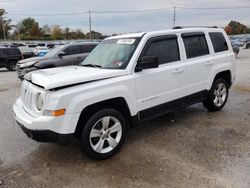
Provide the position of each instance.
(217, 96)
(11, 65)
(103, 134)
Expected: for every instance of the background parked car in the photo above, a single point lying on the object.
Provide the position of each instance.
(245, 39)
(9, 57)
(32, 46)
(70, 54)
(26, 52)
(248, 45)
(50, 45)
(236, 48)
(41, 51)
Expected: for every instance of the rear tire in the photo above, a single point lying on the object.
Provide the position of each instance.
(217, 96)
(11, 65)
(103, 134)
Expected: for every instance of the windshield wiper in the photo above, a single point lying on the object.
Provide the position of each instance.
(92, 65)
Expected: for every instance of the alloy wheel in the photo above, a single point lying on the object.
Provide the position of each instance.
(106, 134)
(220, 94)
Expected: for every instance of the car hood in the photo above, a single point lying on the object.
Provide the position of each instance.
(70, 75)
(32, 59)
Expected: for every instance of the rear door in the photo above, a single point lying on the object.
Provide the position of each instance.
(198, 65)
(161, 89)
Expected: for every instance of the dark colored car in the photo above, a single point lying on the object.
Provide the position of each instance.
(16, 45)
(9, 58)
(50, 45)
(41, 44)
(70, 54)
(248, 45)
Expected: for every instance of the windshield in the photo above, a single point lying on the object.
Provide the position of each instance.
(112, 53)
(54, 51)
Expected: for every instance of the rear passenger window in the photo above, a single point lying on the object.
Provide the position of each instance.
(219, 42)
(196, 45)
(166, 50)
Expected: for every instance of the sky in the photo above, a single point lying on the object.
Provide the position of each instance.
(120, 23)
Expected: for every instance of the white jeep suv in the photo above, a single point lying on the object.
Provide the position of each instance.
(126, 79)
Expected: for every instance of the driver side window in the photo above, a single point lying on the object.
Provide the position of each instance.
(71, 50)
(166, 49)
(67, 51)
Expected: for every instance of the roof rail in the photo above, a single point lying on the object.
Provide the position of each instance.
(181, 27)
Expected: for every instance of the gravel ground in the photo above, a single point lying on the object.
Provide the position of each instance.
(190, 148)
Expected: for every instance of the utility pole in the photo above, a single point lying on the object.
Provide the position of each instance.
(174, 19)
(90, 37)
(3, 28)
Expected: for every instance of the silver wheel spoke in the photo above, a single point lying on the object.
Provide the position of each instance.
(220, 86)
(216, 100)
(112, 142)
(105, 122)
(223, 91)
(215, 92)
(99, 145)
(95, 133)
(220, 101)
(115, 128)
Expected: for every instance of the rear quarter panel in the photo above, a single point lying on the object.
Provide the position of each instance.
(222, 61)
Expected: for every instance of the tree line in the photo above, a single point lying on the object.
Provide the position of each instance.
(29, 29)
(234, 28)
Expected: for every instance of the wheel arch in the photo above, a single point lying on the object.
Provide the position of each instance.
(118, 104)
(226, 75)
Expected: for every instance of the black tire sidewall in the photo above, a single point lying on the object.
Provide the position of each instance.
(209, 103)
(88, 126)
(10, 67)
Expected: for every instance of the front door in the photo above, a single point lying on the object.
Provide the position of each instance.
(161, 89)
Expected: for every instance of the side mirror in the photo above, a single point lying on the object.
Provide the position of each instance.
(147, 62)
(61, 54)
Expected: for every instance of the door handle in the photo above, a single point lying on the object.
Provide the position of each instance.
(208, 63)
(178, 70)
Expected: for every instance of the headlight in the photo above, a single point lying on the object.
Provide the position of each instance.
(28, 64)
(39, 102)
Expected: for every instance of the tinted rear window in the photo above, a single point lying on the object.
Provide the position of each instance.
(219, 42)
